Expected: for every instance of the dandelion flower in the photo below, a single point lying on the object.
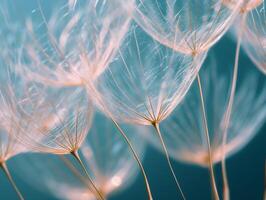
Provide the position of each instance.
(145, 81)
(254, 36)
(184, 129)
(187, 26)
(74, 45)
(112, 166)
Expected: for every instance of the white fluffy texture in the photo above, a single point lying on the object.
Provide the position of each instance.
(184, 131)
(75, 44)
(106, 156)
(145, 81)
(254, 41)
(187, 26)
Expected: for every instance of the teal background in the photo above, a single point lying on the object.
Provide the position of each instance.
(246, 169)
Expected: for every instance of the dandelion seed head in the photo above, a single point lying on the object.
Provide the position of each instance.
(254, 34)
(111, 170)
(179, 26)
(74, 45)
(145, 81)
(184, 131)
(12, 117)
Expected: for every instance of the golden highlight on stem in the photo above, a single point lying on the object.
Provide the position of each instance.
(136, 158)
(73, 169)
(147, 185)
(157, 128)
(75, 154)
(7, 173)
(210, 160)
(227, 116)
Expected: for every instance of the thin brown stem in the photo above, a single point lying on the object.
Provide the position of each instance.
(136, 158)
(77, 174)
(73, 169)
(75, 154)
(157, 128)
(127, 141)
(227, 116)
(207, 136)
(6, 171)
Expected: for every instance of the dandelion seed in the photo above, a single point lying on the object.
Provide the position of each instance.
(145, 82)
(112, 166)
(178, 25)
(184, 129)
(74, 45)
(58, 126)
(246, 7)
(10, 114)
(32, 117)
(254, 34)
(77, 46)
(9, 145)
(187, 26)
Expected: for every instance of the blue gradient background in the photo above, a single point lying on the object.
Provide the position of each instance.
(246, 169)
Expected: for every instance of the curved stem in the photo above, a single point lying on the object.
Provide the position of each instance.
(207, 136)
(77, 157)
(136, 158)
(6, 171)
(91, 87)
(73, 169)
(227, 116)
(157, 128)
